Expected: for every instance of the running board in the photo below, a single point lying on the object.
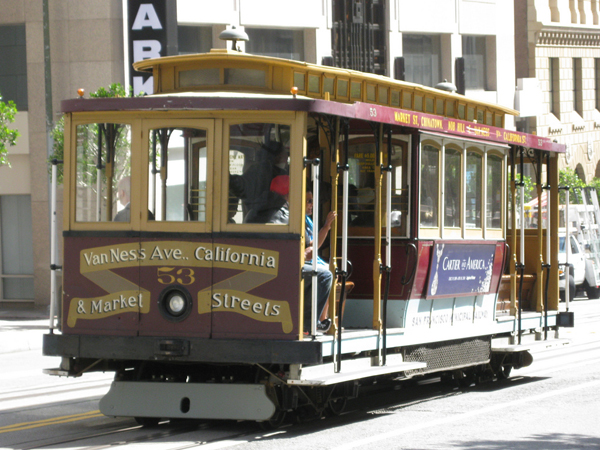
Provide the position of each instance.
(530, 346)
(325, 375)
(166, 400)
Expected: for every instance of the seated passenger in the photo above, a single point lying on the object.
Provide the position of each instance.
(252, 187)
(324, 275)
(274, 206)
(123, 195)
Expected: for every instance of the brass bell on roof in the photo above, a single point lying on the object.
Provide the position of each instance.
(234, 35)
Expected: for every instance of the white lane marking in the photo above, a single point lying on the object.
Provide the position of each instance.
(463, 417)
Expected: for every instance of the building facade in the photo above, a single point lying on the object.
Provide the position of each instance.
(558, 70)
(45, 58)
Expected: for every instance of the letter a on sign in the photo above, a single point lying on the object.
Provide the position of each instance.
(146, 17)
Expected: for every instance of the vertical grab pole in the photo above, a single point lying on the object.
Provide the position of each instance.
(344, 269)
(548, 263)
(98, 175)
(388, 239)
(315, 245)
(521, 264)
(53, 266)
(568, 250)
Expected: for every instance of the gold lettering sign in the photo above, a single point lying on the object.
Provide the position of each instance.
(257, 308)
(255, 266)
(109, 305)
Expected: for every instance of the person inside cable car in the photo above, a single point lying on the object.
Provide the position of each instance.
(124, 195)
(253, 186)
(276, 208)
(324, 275)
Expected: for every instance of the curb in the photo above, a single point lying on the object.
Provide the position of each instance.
(20, 341)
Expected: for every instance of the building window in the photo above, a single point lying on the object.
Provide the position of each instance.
(13, 69)
(554, 87)
(422, 58)
(477, 51)
(287, 44)
(577, 86)
(16, 251)
(191, 39)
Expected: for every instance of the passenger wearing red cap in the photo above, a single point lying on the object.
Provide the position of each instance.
(281, 186)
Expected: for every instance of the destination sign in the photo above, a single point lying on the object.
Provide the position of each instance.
(454, 127)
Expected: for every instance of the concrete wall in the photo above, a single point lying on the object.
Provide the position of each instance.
(86, 42)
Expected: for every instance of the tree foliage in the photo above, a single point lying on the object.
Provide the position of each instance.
(58, 139)
(8, 137)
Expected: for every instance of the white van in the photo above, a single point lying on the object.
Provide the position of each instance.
(583, 272)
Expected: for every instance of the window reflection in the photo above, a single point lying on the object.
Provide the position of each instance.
(178, 171)
(473, 185)
(258, 154)
(452, 188)
(494, 192)
(103, 159)
(429, 186)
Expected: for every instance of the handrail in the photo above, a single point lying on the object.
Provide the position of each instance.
(53, 259)
(315, 176)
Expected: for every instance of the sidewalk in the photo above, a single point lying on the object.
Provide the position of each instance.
(21, 328)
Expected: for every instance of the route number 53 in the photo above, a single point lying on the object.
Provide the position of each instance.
(169, 275)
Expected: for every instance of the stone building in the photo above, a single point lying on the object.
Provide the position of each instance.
(46, 57)
(557, 54)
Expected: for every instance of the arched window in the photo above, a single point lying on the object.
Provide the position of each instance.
(580, 172)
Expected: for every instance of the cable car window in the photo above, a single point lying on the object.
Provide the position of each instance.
(407, 100)
(178, 170)
(361, 179)
(473, 191)
(494, 192)
(258, 173)
(429, 186)
(246, 77)
(199, 77)
(314, 84)
(103, 166)
(452, 188)
(355, 89)
(399, 213)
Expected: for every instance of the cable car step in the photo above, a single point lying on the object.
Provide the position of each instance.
(325, 375)
(535, 346)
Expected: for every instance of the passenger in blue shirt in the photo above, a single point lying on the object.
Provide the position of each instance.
(324, 275)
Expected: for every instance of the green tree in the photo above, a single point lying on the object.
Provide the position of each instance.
(58, 147)
(8, 137)
(568, 177)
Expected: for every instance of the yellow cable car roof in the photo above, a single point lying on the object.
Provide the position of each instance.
(312, 80)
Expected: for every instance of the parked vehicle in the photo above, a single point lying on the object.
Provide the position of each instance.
(583, 273)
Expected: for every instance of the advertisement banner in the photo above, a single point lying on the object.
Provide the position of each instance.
(461, 269)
